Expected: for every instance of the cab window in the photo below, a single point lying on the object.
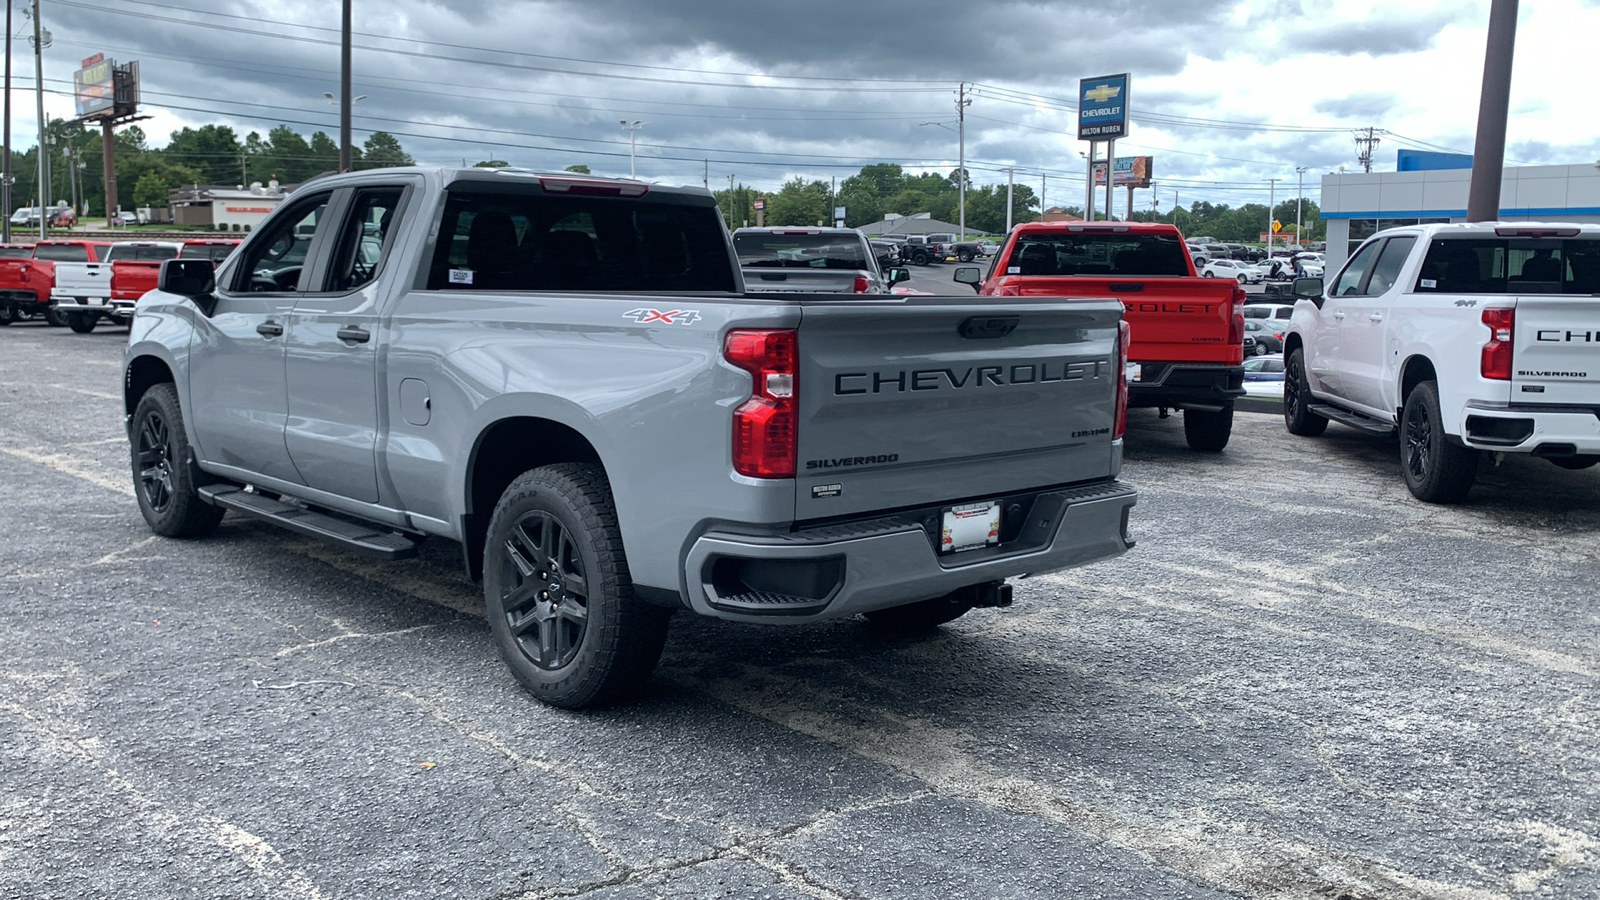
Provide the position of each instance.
(365, 241)
(275, 258)
(1355, 271)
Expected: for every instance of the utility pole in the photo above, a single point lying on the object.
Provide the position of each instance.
(344, 88)
(1299, 205)
(1272, 201)
(961, 171)
(633, 141)
(244, 169)
(1088, 187)
(705, 178)
(1489, 150)
(41, 156)
(1042, 179)
(5, 172)
(1365, 146)
(730, 201)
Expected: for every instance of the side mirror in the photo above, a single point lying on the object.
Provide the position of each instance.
(192, 278)
(898, 274)
(969, 275)
(1308, 289)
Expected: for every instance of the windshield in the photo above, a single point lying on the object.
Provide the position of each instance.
(765, 250)
(1107, 253)
(128, 251)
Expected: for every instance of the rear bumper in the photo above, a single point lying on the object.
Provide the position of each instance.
(1179, 384)
(97, 306)
(1541, 431)
(841, 570)
(23, 299)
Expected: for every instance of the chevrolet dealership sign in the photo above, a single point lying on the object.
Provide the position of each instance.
(1103, 108)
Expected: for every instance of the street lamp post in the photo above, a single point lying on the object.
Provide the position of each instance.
(344, 101)
(1299, 204)
(633, 135)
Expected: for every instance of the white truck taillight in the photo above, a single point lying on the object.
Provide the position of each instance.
(1119, 418)
(764, 425)
(1496, 359)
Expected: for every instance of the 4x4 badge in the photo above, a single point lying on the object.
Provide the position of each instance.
(667, 317)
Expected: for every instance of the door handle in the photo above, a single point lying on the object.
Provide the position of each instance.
(353, 333)
(1376, 317)
(1338, 314)
(269, 329)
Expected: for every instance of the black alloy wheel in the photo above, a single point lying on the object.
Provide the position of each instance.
(54, 317)
(162, 476)
(82, 323)
(546, 599)
(1297, 415)
(1435, 470)
(153, 458)
(8, 314)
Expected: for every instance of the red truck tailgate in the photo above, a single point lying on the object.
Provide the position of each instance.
(1171, 319)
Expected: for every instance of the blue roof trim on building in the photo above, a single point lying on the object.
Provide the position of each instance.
(1456, 213)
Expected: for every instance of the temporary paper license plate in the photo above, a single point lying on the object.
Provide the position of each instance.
(1132, 370)
(970, 526)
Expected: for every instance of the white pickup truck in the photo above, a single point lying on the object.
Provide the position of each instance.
(1463, 338)
(82, 292)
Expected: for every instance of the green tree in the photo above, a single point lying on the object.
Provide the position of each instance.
(490, 164)
(799, 202)
(381, 149)
(325, 154)
(211, 150)
(286, 156)
(580, 168)
(152, 187)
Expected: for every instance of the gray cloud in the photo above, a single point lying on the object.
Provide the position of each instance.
(1405, 32)
(1366, 106)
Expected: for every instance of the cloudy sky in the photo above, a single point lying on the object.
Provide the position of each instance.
(1225, 94)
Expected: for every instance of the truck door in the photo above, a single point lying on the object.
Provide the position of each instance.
(236, 374)
(1324, 349)
(1364, 332)
(331, 356)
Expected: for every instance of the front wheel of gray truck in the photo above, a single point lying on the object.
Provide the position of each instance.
(560, 600)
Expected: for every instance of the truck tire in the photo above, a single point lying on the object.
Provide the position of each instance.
(964, 256)
(559, 597)
(82, 323)
(8, 314)
(1207, 431)
(53, 316)
(1574, 463)
(1297, 414)
(922, 615)
(921, 258)
(1435, 470)
(161, 475)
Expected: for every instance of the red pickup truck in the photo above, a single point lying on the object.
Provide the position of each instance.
(1188, 332)
(26, 283)
(132, 278)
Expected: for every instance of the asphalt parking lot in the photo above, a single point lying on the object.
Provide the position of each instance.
(1302, 683)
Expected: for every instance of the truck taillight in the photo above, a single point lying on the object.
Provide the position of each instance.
(1236, 322)
(860, 285)
(1496, 360)
(1119, 419)
(764, 425)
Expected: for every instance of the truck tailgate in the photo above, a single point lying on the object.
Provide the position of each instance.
(925, 400)
(1556, 350)
(837, 281)
(1171, 319)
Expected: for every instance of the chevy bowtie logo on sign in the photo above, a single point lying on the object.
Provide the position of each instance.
(1103, 108)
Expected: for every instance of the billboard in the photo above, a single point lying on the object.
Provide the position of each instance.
(94, 85)
(1103, 108)
(1127, 171)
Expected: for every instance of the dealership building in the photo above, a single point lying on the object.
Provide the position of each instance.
(225, 208)
(1433, 187)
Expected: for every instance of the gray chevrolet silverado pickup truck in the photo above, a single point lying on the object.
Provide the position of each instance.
(566, 375)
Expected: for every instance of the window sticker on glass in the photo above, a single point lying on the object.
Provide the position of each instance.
(1013, 270)
(1429, 283)
(460, 276)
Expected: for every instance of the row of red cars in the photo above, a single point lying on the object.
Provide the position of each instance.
(77, 283)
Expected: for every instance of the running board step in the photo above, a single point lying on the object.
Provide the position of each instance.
(768, 603)
(363, 539)
(1354, 420)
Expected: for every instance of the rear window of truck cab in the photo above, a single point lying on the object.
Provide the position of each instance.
(1511, 265)
(516, 238)
(799, 250)
(62, 252)
(1098, 254)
